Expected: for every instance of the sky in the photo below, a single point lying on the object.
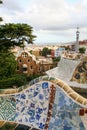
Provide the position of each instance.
(53, 21)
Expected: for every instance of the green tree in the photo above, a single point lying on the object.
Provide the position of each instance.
(14, 35)
(46, 51)
(82, 50)
(1, 2)
(7, 65)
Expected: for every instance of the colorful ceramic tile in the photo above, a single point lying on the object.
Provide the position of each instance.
(32, 105)
(7, 108)
(41, 106)
(65, 113)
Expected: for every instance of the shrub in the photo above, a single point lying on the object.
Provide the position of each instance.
(56, 59)
(33, 76)
(82, 50)
(15, 80)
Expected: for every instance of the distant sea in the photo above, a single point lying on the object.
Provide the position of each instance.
(54, 43)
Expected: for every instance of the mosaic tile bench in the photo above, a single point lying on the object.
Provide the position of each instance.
(73, 72)
(44, 104)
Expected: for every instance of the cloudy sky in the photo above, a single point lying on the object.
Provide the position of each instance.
(53, 21)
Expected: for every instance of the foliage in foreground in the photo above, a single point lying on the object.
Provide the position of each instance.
(7, 65)
(16, 80)
(14, 35)
(32, 76)
(10, 82)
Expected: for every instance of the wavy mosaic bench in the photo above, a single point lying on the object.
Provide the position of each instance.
(45, 103)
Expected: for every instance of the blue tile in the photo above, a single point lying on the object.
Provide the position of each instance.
(45, 85)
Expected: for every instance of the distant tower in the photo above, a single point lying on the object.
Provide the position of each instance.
(77, 40)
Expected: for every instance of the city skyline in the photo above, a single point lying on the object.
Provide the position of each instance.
(53, 21)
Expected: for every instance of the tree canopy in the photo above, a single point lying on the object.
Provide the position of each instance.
(14, 35)
(1, 2)
(82, 50)
(7, 65)
(46, 51)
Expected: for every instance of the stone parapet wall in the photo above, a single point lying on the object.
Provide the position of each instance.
(80, 73)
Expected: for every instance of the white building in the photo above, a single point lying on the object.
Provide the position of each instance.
(59, 51)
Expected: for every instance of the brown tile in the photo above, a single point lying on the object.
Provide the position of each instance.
(86, 111)
(81, 112)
